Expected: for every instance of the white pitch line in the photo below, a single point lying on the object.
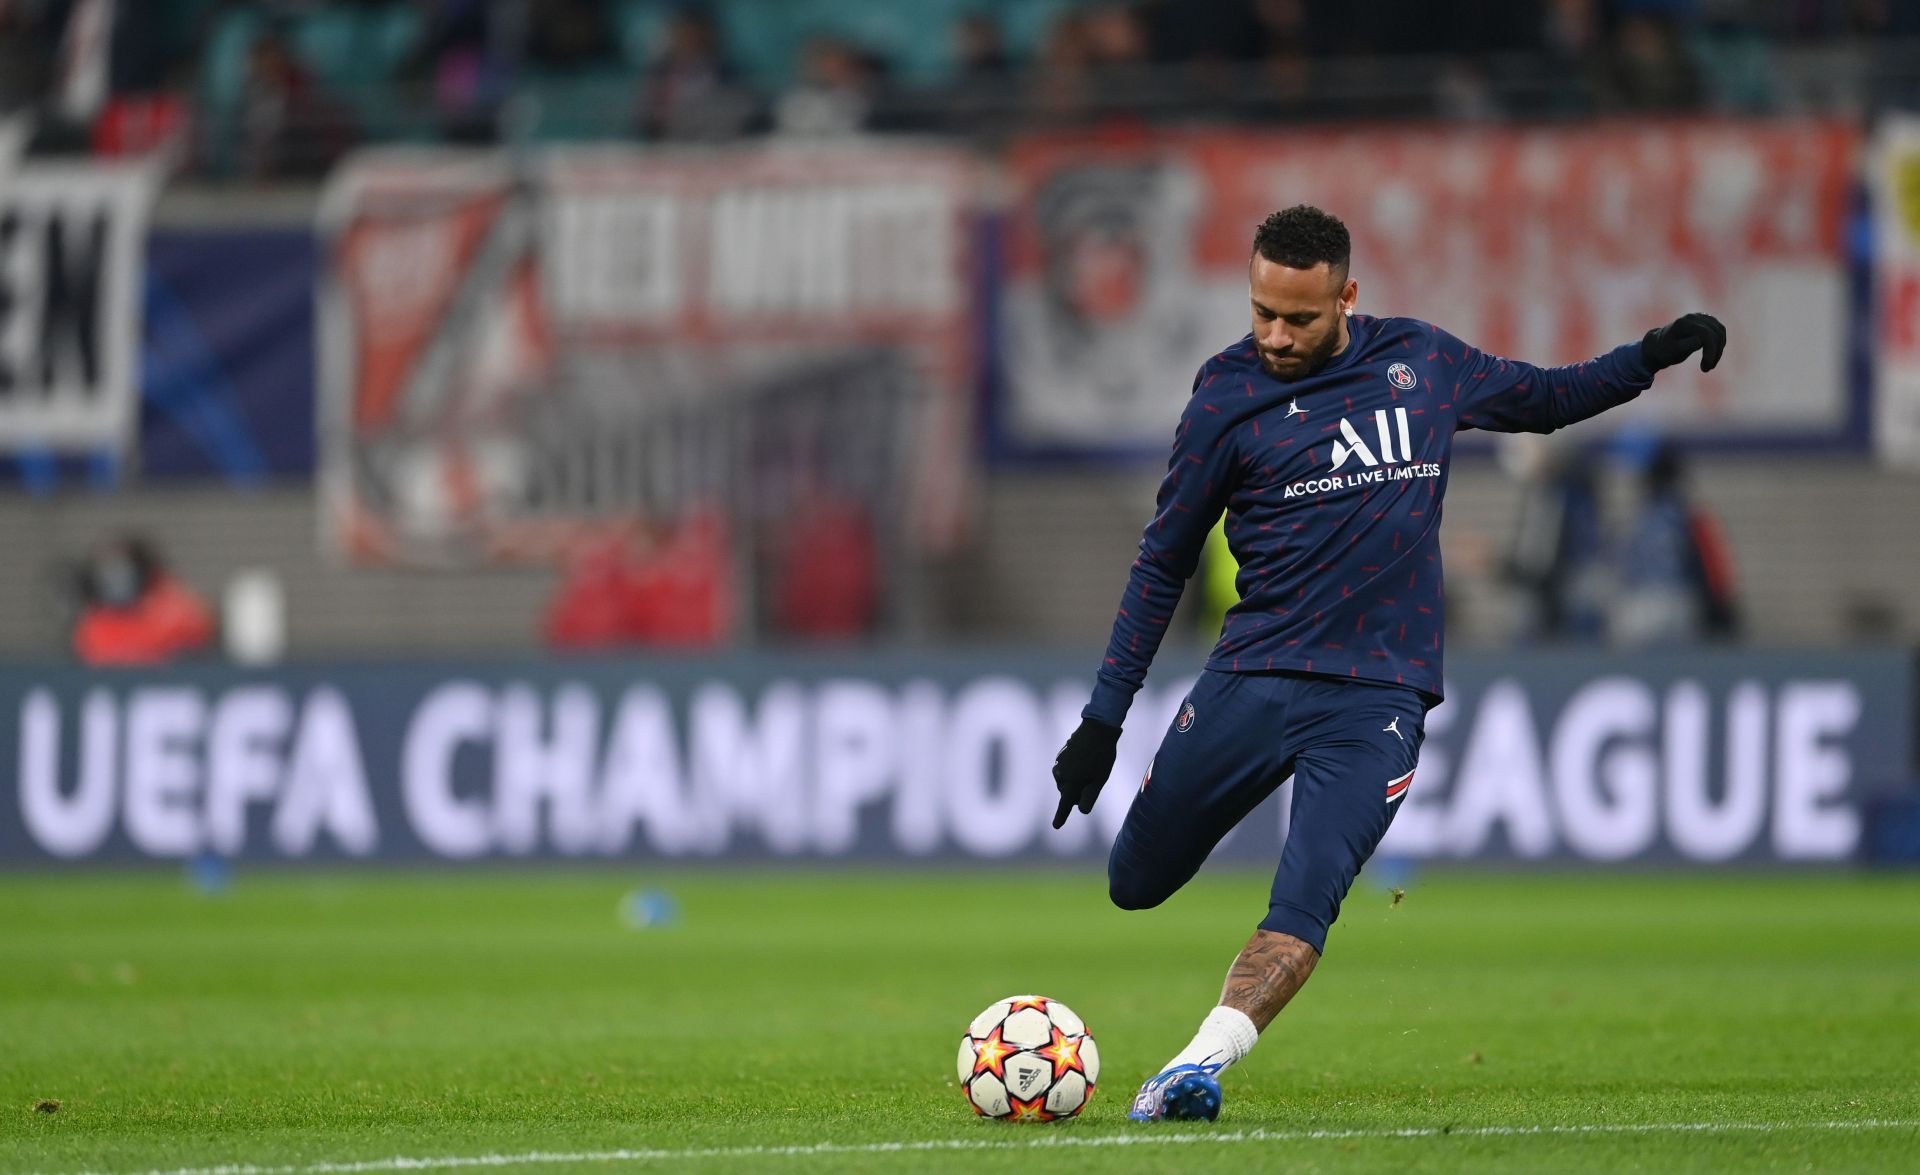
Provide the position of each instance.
(1044, 1142)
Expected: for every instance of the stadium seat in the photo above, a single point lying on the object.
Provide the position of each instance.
(577, 107)
(1025, 24)
(914, 39)
(393, 31)
(761, 37)
(223, 76)
(329, 40)
(637, 23)
(223, 80)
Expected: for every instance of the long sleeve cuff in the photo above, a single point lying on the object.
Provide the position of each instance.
(1111, 700)
(1633, 364)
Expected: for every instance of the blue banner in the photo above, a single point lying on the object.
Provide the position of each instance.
(1686, 759)
(226, 368)
(227, 363)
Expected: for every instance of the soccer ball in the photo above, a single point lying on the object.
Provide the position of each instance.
(1028, 1059)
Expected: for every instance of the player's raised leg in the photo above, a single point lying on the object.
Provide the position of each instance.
(1359, 748)
(1219, 758)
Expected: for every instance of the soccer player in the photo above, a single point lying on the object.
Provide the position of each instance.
(1324, 436)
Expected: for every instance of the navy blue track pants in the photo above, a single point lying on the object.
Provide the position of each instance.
(1351, 747)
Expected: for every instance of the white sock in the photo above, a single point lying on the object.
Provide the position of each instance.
(1225, 1036)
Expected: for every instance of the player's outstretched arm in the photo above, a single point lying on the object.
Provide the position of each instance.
(1201, 475)
(1505, 395)
(1672, 344)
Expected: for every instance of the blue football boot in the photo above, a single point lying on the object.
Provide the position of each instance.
(1184, 1093)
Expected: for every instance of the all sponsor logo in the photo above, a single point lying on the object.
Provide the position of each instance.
(1352, 445)
(1382, 447)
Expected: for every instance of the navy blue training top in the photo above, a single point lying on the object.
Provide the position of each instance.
(1331, 486)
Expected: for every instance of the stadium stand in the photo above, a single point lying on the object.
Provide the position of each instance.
(1046, 533)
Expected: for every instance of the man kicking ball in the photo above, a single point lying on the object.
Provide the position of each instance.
(1324, 436)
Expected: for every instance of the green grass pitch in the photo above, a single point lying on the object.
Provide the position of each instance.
(807, 1021)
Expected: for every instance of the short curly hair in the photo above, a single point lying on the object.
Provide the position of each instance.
(1303, 236)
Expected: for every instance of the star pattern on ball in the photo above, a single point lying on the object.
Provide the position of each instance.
(1037, 1002)
(990, 1055)
(1029, 1111)
(1064, 1052)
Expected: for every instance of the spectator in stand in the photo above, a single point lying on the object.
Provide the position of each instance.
(1890, 29)
(1572, 46)
(1060, 86)
(645, 586)
(980, 50)
(1091, 60)
(145, 50)
(835, 94)
(458, 60)
(133, 611)
(1647, 67)
(1676, 579)
(1887, 18)
(29, 38)
(1736, 66)
(1123, 57)
(1476, 28)
(282, 9)
(1285, 66)
(1556, 557)
(569, 34)
(981, 86)
(1464, 93)
(690, 92)
(825, 569)
(55, 62)
(289, 126)
(1204, 35)
(1117, 41)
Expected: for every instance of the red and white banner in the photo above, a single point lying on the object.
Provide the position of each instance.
(516, 354)
(1128, 264)
(1895, 183)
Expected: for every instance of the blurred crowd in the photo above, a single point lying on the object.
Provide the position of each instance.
(1661, 578)
(281, 86)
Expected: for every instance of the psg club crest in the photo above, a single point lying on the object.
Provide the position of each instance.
(1401, 376)
(1184, 723)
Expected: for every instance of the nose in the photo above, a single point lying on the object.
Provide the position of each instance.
(1276, 339)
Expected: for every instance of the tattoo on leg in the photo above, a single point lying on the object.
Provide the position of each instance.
(1270, 970)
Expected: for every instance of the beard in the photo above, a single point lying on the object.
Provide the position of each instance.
(1297, 365)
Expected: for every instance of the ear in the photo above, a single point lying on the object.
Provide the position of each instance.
(1349, 296)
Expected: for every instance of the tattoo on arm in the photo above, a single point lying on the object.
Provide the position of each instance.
(1268, 973)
